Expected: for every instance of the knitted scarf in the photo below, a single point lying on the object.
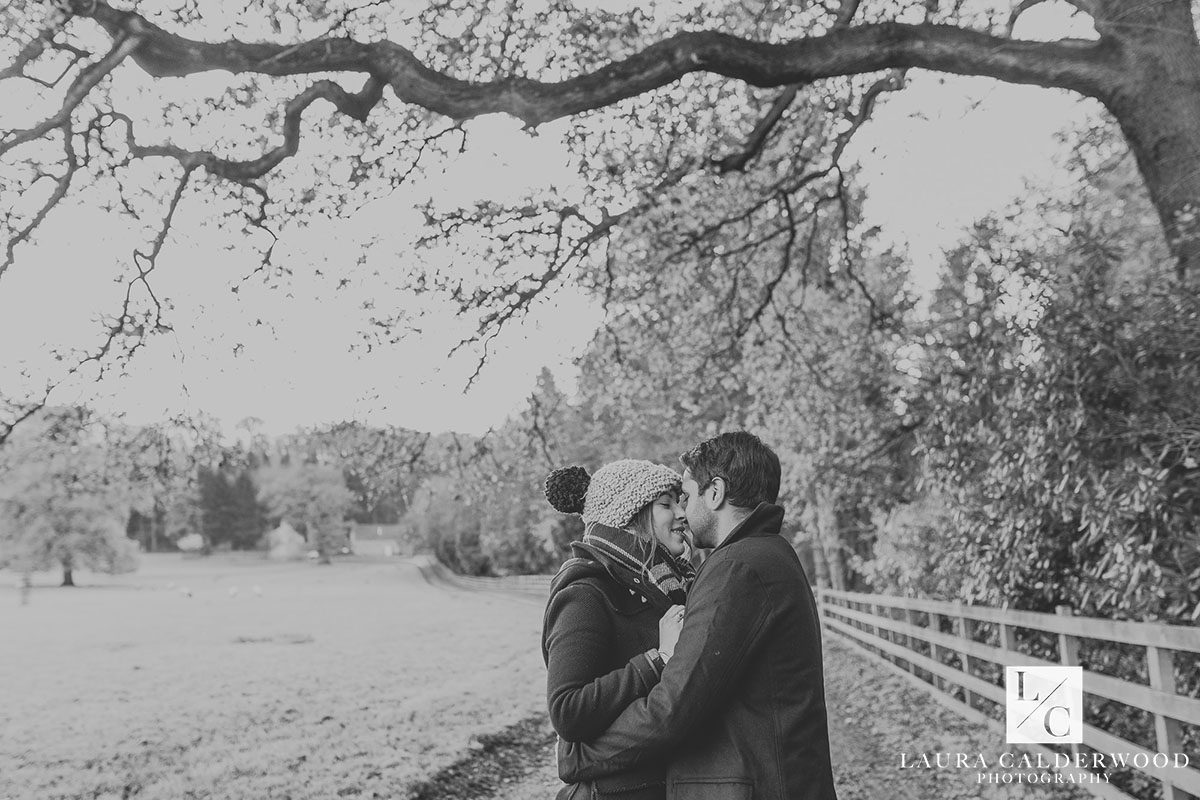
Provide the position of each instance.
(667, 575)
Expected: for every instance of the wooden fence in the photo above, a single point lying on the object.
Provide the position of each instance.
(436, 572)
(958, 652)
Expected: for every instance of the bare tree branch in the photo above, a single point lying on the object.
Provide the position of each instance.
(27, 55)
(126, 324)
(1023, 6)
(22, 412)
(538, 429)
(61, 187)
(36, 46)
(357, 106)
(847, 9)
(876, 313)
(1078, 65)
(785, 266)
(123, 45)
(737, 162)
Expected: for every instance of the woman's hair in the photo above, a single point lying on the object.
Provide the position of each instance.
(642, 523)
(642, 526)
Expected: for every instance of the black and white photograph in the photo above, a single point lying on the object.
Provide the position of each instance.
(599, 399)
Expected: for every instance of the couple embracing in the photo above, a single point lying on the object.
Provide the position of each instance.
(667, 682)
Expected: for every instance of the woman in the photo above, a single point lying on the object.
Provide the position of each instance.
(615, 607)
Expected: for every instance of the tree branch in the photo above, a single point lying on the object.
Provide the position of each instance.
(762, 131)
(126, 324)
(87, 80)
(847, 9)
(62, 186)
(1081, 66)
(1023, 6)
(737, 162)
(357, 106)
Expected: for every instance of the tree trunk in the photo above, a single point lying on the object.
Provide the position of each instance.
(808, 520)
(158, 521)
(1157, 106)
(324, 547)
(829, 536)
(68, 578)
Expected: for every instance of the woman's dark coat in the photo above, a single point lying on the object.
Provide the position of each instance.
(598, 626)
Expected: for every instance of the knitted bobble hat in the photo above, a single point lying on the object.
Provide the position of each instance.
(619, 490)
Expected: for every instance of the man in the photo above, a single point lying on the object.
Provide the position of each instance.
(739, 712)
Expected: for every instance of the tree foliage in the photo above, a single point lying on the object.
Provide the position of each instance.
(231, 512)
(65, 494)
(696, 92)
(314, 498)
(382, 466)
(167, 459)
(1058, 372)
(1067, 434)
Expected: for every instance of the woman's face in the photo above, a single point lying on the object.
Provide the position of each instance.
(668, 523)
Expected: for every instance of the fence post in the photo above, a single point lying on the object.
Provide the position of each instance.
(1068, 653)
(964, 631)
(1167, 732)
(882, 633)
(935, 651)
(1008, 639)
(910, 641)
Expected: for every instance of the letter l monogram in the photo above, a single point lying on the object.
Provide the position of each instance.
(1021, 686)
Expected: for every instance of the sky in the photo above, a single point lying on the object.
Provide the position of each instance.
(934, 158)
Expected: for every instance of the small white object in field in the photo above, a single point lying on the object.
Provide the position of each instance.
(233, 590)
(257, 591)
(170, 586)
(185, 591)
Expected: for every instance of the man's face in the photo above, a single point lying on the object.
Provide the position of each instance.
(700, 518)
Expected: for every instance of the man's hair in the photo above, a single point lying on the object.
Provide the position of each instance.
(750, 468)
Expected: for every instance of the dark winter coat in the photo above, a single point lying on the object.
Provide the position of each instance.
(597, 629)
(739, 712)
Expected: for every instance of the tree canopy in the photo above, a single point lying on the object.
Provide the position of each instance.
(660, 98)
(66, 485)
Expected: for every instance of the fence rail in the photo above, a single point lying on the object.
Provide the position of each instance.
(961, 671)
(434, 570)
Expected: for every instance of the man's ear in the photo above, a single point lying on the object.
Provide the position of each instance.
(718, 494)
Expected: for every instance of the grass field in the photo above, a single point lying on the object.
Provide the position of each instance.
(352, 680)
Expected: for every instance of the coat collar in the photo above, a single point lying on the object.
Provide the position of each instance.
(766, 518)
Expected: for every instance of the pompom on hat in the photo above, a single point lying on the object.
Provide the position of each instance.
(614, 494)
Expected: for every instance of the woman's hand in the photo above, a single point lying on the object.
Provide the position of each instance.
(668, 631)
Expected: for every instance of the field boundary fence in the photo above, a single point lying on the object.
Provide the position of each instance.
(437, 572)
(957, 653)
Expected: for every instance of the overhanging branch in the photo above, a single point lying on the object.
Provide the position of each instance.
(737, 162)
(123, 46)
(62, 185)
(1077, 65)
(357, 106)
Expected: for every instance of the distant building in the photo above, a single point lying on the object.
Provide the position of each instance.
(368, 539)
